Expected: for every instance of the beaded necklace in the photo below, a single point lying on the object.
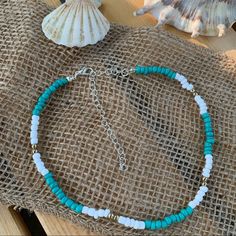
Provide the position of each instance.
(106, 213)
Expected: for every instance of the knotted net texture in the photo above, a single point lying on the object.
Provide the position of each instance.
(156, 121)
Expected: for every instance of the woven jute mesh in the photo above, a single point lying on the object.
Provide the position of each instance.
(156, 121)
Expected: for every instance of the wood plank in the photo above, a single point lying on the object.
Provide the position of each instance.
(11, 222)
(56, 226)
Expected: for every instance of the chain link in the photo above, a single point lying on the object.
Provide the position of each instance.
(104, 121)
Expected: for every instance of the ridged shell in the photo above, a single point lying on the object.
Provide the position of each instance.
(98, 2)
(205, 17)
(76, 23)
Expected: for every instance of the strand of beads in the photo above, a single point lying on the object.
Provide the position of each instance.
(208, 145)
(99, 213)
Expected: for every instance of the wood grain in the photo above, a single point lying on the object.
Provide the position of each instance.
(11, 222)
(56, 226)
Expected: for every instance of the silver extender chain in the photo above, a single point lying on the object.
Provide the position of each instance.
(105, 123)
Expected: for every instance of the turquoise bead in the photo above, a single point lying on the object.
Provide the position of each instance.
(79, 208)
(52, 89)
(170, 74)
(208, 129)
(168, 220)
(45, 96)
(53, 185)
(38, 107)
(189, 210)
(164, 224)
(148, 224)
(153, 225)
(177, 218)
(206, 144)
(145, 70)
(48, 175)
(159, 69)
(55, 85)
(184, 212)
(162, 70)
(55, 189)
(150, 70)
(138, 70)
(207, 119)
(35, 113)
(167, 71)
(50, 181)
(142, 70)
(173, 75)
(155, 69)
(61, 195)
(61, 82)
(42, 104)
(73, 206)
(210, 140)
(47, 91)
(204, 115)
(63, 200)
(173, 218)
(42, 99)
(69, 202)
(59, 192)
(181, 216)
(158, 224)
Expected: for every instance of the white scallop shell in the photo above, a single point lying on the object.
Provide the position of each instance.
(205, 17)
(98, 3)
(76, 23)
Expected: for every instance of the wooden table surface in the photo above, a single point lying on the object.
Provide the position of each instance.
(119, 11)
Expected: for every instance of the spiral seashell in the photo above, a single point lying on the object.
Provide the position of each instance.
(76, 23)
(199, 17)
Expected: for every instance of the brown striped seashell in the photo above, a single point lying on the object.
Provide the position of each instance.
(199, 17)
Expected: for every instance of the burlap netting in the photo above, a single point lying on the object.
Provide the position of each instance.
(157, 122)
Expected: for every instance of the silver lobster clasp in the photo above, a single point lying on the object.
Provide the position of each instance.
(84, 71)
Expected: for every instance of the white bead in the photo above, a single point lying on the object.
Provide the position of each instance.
(121, 220)
(34, 127)
(100, 213)
(33, 134)
(85, 210)
(204, 188)
(127, 222)
(206, 174)
(136, 224)
(209, 162)
(35, 118)
(36, 155)
(95, 215)
(200, 193)
(44, 171)
(178, 77)
(198, 198)
(202, 111)
(190, 87)
(192, 204)
(141, 225)
(185, 85)
(106, 212)
(91, 212)
(132, 223)
(209, 156)
(34, 141)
